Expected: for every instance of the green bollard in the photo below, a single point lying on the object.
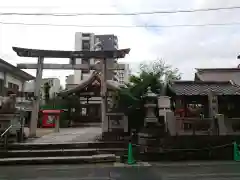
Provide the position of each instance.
(130, 160)
(236, 153)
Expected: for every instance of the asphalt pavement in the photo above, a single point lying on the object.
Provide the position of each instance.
(180, 171)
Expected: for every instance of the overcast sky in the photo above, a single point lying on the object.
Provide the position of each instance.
(183, 47)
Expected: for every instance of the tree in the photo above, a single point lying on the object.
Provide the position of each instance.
(160, 69)
(154, 74)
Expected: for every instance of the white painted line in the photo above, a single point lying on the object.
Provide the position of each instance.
(203, 175)
(138, 164)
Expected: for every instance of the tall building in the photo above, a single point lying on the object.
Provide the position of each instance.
(91, 42)
(122, 76)
(54, 83)
(70, 82)
(83, 42)
(108, 42)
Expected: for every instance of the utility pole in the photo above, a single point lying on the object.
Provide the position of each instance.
(36, 101)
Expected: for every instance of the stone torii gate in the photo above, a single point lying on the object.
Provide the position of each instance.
(41, 54)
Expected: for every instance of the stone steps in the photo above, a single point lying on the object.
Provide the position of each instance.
(64, 153)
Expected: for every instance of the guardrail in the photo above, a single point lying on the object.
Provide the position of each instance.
(5, 136)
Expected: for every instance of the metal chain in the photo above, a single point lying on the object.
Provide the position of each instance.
(169, 150)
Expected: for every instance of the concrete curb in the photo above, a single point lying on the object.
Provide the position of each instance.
(59, 152)
(59, 160)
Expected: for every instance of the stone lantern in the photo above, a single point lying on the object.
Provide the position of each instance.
(150, 105)
(152, 131)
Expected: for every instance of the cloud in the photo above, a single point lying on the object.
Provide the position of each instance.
(190, 47)
(183, 47)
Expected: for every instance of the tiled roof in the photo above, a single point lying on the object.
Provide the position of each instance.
(203, 88)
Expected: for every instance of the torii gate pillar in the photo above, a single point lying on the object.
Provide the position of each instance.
(36, 101)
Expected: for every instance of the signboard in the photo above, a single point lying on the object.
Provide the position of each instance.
(51, 119)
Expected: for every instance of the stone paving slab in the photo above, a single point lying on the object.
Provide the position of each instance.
(67, 135)
(40, 131)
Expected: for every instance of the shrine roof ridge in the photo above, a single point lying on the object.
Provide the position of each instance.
(24, 52)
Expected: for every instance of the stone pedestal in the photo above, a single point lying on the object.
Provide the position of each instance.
(221, 125)
(164, 106)
(171, 124)
(117, 124)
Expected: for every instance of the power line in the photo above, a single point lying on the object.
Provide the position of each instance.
(119, 14)
(29, 7)
(123, 26)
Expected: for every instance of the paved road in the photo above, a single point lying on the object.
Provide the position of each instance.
(102, 172)
(70, 135)
(198, 171)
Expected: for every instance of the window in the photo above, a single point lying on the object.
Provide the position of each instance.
(13, 86)
(86, 35)
(86, 45)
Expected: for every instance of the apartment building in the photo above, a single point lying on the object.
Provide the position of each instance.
(122, 76)
(91, 42)
(108, 42)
